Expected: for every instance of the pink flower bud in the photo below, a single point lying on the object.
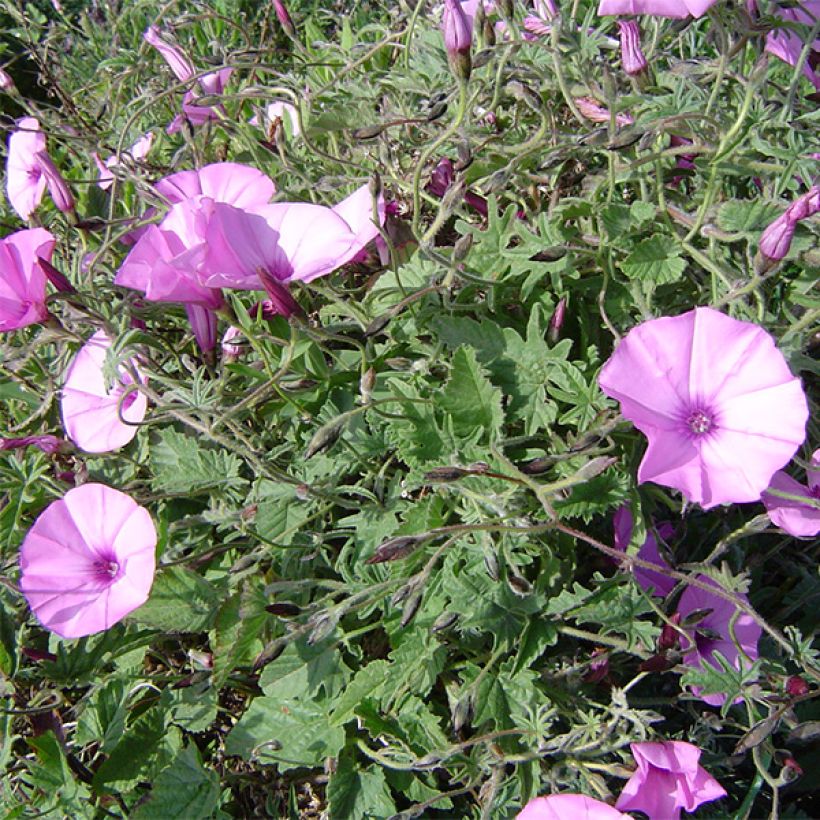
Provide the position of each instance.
(632, 58)
(797, 686)
(776, 239)
(231, 350)
(457, 28)
(6, 83)
(594, 111)
(57, 186)
(179, 64)
(284, 18)
(48, 444)
(557, 320)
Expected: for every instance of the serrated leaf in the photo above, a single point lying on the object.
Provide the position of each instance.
(181, 466)
(746, 216)
(472, 402)
(368, 682)
(183, 790)
(655, 260)
(357, 793)
(180, 601)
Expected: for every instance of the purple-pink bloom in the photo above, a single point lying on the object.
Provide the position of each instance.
(138, 151)
(25, 183)
(786, 44)
(569, 807)
(713, 633)
(203, 324)
(97, 417)
(457, 28)
(22, 278)
(57, 186)
(240, 185)
(668, 779)
(213, 85)
(716, 400)
(660, 8)
(649, 580)
(799, 519)
(595, 112)
(179, 64)
(632, 58)
(88, 561)
(776, 239)
(48, 444)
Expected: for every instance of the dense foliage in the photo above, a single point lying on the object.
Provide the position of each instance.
(386, 576)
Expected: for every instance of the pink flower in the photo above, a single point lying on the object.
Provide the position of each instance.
(656, 582)
(594, 111)
(712, 633)
(786, 44)
(57, 186)
(800, 520)
(659, 8)
(6, 82)
(203, 324)
(48, 444)
(231, 182)
(569, 807)
(23, 280)
(138, 151)
(179, 64)
(632, 58)
(776, 239)
(25, 183)
(213, 85)
(715, 399)
(667, 780)
(457, 28)
(94, 415)
(88, 560)
(283, 15)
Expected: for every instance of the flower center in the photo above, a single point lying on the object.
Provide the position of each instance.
(699, 422)
(107, 569)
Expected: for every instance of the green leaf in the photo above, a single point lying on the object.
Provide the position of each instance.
(181, 466)
(193, 708)
(472, 402)
(183, 790)
(656, 260)
(357, 793)
(236, 631)
(8, 643)
(303, 671)
(50, 774)
(746, 216)
(286, 732)
(180, 601)
(368, 682)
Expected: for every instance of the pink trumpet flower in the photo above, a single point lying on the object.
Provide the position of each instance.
(716, 400)
(25, 182)
(88, 561)
(713, 633)
(659, 8)
(569, 807)
(667, 780)
(22, 278)
(240, 185)
(786, 44)
(654, 582)
(799, 519)
(179, 64)
(96, 417)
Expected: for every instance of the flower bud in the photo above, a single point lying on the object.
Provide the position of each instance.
(557, 321)
(57, 186)
(284, 18)
(179, 64)
(458, 36)
(6, 83)
(632, 58)
(776, 239)
(230, 349)
(796, 686)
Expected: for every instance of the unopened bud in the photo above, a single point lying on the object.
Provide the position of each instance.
(462, 247)
(366, 384)
(633, 61)
(670, 637)
(6, 83)
(457, 29)
(231, 351)
(57, 186)
(284, 18)
(443, 474)
(797, 686)
(557, 321)
(58, 279)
